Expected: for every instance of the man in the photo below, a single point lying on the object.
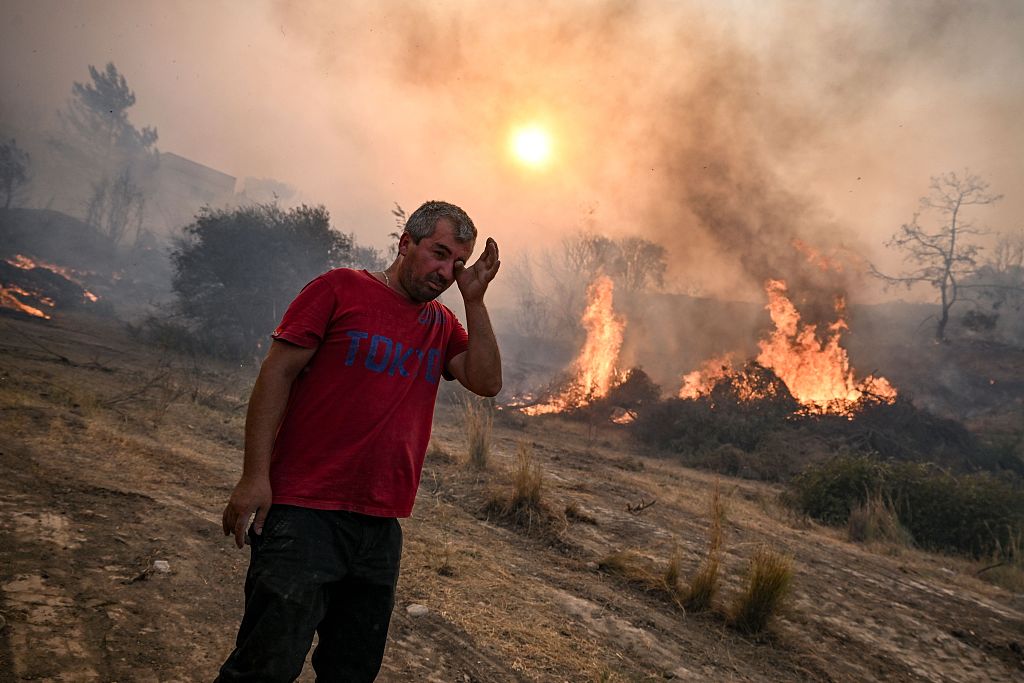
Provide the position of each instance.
(336, 431)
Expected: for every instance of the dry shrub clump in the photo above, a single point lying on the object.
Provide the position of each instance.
(479, 418)
(523, 504)
(768, 579)
(876, 521)
(704, 582)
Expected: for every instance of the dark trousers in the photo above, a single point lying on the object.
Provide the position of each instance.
(326, 571)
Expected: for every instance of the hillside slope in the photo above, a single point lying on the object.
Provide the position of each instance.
(115, 455)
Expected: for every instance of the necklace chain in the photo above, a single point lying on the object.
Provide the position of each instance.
(387, 280)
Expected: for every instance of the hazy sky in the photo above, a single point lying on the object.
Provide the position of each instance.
(689, 123)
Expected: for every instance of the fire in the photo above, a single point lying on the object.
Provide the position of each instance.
(817, 372)
(595, 368)
(9, 299)
(25, 263)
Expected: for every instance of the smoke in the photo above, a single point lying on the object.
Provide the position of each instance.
(722, 130)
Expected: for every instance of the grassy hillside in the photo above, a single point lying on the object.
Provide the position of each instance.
(117, 454)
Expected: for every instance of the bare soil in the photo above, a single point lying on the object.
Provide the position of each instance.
(115, 454)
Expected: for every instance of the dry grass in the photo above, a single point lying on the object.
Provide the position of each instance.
(705, 581)
(632, 567)
(575, 513)
(768, 579)
(523, 505)
(527, 478)
(1006, 568)
(437, 453)
(876, 521)
(642, 573)
(479, 418)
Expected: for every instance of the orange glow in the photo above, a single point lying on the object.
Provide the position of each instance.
(700, 382)
(816, 372)
(25, 263)
(595, 369)
(816, 258)
(9, 299)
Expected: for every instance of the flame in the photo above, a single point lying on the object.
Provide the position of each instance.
(816, 258)
(816, 372)
(25, 263)
(9, 299)
(699, 382)
(595, 367)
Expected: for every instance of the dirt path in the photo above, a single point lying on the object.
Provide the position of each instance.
(121, 456)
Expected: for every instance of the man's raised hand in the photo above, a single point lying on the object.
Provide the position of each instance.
(473, 280)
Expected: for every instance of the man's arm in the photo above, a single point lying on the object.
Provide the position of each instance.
(478, 368)
(267, 405)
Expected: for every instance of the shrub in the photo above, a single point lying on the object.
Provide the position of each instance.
(973, 514)
(768, 579)
(829, 491)
(236, 270)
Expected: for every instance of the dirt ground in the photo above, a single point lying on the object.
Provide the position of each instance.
(115, 455)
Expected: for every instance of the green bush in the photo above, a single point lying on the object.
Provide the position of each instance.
(974, 514)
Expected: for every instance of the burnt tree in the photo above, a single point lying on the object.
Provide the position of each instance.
(944, 257)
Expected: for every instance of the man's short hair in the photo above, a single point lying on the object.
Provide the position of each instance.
(423, 221)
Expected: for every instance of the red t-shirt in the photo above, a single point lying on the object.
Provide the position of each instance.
(359, 415)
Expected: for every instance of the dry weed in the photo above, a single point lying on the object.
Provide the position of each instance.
(630, 566)
(768, 579)
(705, 581)
(436, 452)
(523, 505)
(527, 479)
(875, 520)
(1006, 569)
(479, 420)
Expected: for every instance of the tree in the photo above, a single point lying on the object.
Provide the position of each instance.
(116, 206)
(109, 145)
(14, 163)
(98, 115)
(236, 270)
(946, 257)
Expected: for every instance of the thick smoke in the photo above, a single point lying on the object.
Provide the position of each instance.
(723, 131)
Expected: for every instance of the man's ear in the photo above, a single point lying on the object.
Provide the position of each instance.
(403, 243)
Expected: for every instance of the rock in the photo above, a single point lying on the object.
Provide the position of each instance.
(162, 566)
(415, 610)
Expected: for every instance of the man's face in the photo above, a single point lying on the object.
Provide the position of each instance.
(428, 268)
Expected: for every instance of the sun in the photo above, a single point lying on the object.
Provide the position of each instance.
(531, 145)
